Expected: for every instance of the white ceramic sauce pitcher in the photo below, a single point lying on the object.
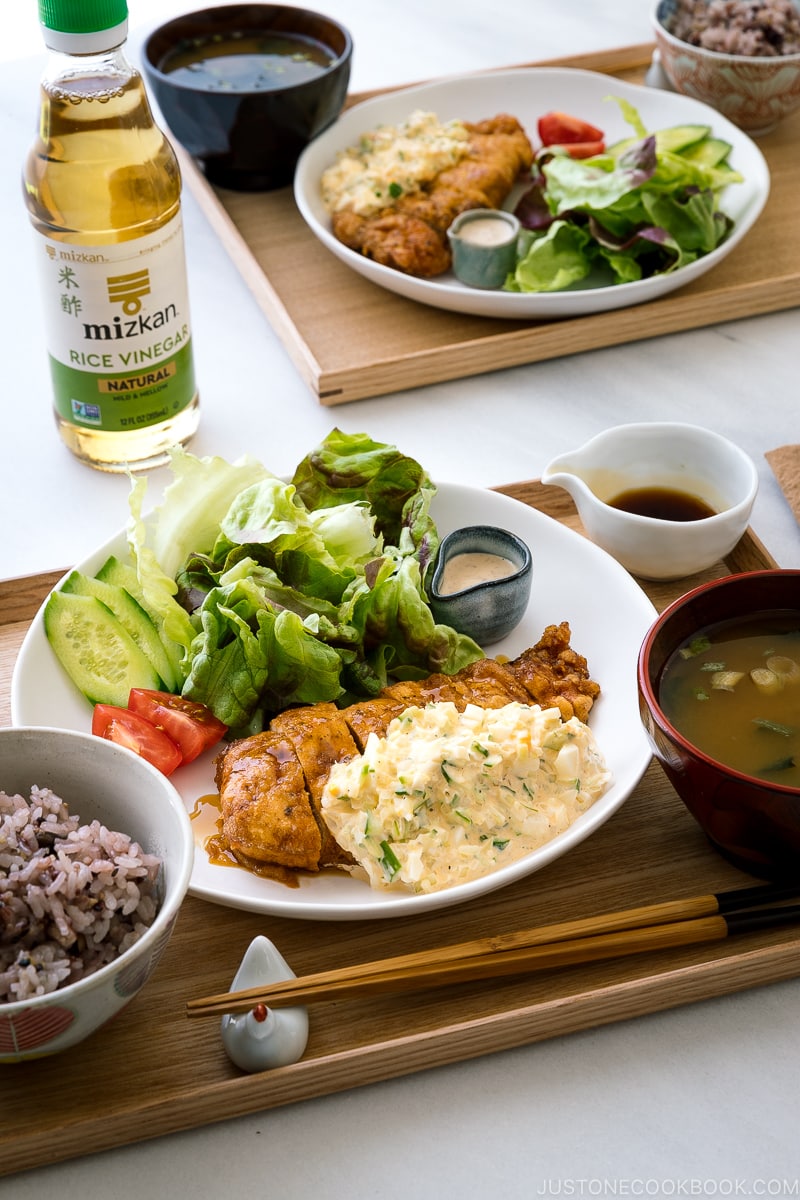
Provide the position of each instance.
(669, 455)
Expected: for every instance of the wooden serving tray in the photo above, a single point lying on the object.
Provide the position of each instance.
(350, 339)
(153, 1071)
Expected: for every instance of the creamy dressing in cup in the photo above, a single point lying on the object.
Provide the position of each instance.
(483, 242)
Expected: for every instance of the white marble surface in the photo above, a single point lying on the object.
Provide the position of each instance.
(697, 1101)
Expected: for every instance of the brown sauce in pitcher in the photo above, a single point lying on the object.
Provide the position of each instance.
(664, 504)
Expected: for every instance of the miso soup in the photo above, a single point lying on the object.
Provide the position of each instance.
(733, 690)
(247, 62)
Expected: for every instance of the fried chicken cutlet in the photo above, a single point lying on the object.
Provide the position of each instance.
(552, 673)
(267, 815)
(411, 236)
(271, 783)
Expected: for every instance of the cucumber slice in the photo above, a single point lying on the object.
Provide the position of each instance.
(723, 174)
(100, 657)
(674, 139)
(131, 616)
(678, 137)
(123, 575)
(710, 152)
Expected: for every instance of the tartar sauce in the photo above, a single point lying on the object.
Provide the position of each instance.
(446, 797)
(391, 161)
(474, 566)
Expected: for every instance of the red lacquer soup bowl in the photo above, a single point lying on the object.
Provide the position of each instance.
(754, 822)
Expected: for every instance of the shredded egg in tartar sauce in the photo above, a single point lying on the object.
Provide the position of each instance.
(446, 797)
(392, 160)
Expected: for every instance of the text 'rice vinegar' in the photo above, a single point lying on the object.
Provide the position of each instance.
(102, 187)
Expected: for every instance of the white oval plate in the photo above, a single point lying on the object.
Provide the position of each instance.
(573, 580)
(527, 93)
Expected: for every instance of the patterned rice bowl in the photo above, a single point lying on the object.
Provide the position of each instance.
(104, 783)
(756, 93)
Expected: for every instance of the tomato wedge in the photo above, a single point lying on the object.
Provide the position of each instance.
(190, 724)
(558, 128)
(579, 149)
(127, 728)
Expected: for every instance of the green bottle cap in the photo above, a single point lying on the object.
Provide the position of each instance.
(83, 26)
(82, 16)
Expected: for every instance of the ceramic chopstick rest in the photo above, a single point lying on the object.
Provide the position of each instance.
(263, 1038)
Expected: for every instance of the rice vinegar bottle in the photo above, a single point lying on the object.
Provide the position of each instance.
(102, 186)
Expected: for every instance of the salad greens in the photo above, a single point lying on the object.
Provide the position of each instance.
(276, 593)
(646, 206)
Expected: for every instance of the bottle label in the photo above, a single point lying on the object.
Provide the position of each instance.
(118, 330)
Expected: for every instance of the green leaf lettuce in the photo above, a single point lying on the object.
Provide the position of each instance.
(292, 593)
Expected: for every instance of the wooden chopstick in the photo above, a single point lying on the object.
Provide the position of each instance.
(611, 935)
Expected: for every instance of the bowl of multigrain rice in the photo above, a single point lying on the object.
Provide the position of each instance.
(741, 57)
(96, 852)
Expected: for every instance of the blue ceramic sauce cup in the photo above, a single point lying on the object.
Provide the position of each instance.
(483, 242)
(481, 582)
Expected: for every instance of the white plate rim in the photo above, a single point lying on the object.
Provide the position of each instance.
(745, 201)
(40, 690)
